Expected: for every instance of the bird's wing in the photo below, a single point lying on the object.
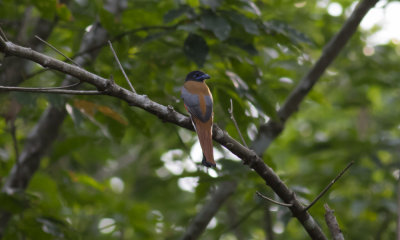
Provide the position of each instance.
(198, 105)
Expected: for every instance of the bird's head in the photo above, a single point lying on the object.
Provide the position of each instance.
(197, 76)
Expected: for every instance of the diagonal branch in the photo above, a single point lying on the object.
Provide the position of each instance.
(267, 132)
(332, 223)
(56, 50)
(200, 222)
(329, 185)
(120, 66)
(273, 201)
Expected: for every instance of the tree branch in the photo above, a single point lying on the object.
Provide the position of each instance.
(200, 222)
(269, 131)
(332, 223)
(120, 67)
(329, 185)
(273, 201)
(46, 130)
(230, 110)
(13, 71)
(248, 156)
(168, 114)
(56, 50)
(52, 90)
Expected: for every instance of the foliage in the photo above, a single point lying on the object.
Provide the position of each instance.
(117, 172)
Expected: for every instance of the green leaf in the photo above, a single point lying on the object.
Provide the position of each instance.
(243, 44)
(52, 226)
(219, 25)
(57, 101)
(190, 27)
(295, 36)
(196, 49)
(250, 6)
(107, 20)
(213, 4)
(175, 13)
(14, 203)
(248, 24)
(86, 180)
(46, 7)
(63, 12)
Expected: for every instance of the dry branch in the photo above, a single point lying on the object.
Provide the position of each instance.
(120, 66)
(273, 201)
(329, 185)
(332, 223)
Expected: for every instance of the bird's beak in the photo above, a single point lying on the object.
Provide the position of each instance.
(206, 76)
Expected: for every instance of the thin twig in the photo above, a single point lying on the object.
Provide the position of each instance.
(117, 38)
(3, 35)
(329, 185)
(120, 66)
(55, 49)
(61, 87)
(332, 223)
(230, 110)
(273, 201)
(52, 90)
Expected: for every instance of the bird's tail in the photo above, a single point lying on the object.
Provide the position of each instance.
(204, 132)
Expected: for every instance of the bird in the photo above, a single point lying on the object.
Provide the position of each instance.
(198, 102)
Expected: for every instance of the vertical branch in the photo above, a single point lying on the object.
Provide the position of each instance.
(268, 222)
(332, 224)
(13, 131)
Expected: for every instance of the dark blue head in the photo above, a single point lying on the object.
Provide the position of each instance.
(197, 76)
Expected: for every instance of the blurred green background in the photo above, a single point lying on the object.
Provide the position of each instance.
(118, 172)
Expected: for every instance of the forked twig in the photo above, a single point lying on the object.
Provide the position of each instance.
(120, 66)
(329, 185)
(55, 49)
(230, 110)
(273, 201)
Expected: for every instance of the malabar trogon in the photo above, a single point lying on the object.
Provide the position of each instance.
(199, 103)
